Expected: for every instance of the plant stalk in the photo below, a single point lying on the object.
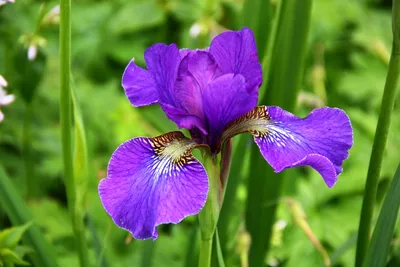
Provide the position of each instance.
(208, 216)
(381, 134)
(205, 252)
(66, 131)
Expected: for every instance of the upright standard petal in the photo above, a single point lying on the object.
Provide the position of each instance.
(139, 85)
(321, 140)
(152, 181)
(225, 99)
(163, 61)
(236, 52)
(196, 70)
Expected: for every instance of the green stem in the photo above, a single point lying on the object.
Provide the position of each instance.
(30, 182)
(382, 129)
(226, 161)
(205, 252)
(65, 121)
(208, 216)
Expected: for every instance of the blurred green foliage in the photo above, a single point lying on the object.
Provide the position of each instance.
(11, 253)
(346, 65)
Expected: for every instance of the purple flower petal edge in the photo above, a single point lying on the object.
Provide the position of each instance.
(236, 52)
(152, 181)
(321, 140)
(139, 86)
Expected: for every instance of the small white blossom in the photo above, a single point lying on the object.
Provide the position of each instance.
(3, 82)
(53, 17)
(4, 98)
(32, 52)
(281, 224)
(3, 2)
(195, 30)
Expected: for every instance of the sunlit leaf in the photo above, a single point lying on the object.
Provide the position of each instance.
(10, 257)
(9, 238)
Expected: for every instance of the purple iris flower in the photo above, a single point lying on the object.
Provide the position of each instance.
(213, 93)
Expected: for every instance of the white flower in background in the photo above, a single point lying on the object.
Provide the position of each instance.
(3, 2)
(32, 52)
(53, 17)
(32, 43)
(195, 30)
(4, 98)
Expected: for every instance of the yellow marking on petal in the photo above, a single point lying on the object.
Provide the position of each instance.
(254, 122)
(172, 151)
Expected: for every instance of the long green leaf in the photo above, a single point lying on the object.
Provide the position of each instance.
(257, 15)
(81, 175)
(283, 84)
(16, 209)
(382, 129)
(378, 250)
(220, 256)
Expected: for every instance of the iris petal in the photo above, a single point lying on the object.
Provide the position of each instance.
(321, 140)
(225, 99)
(163, 61)
(152, 181)
(236, 52)
(139, 85)
(183, 119)
(196, 71)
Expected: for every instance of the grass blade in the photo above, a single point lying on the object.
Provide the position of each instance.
(381, 134)
(80, 163)
(220, 256)
(257, 15)
(19, 214)
(382, 237)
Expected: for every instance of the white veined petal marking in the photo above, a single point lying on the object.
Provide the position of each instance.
(259, 123)
(274, 133)
(172, 152)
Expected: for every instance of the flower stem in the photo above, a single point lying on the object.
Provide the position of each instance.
(208, 216)
(65, 121)
(382, 129)
(205, 252)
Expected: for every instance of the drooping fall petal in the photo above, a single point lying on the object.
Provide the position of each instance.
(152, 181)
(321, 140)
